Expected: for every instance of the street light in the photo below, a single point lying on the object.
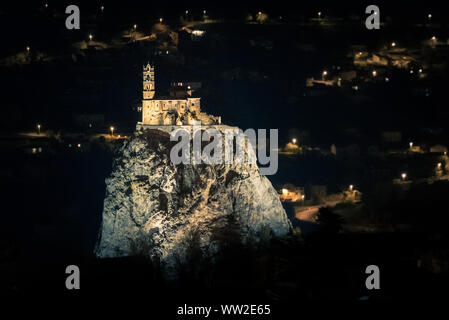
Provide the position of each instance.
(411, 145)
(112, 130)
(319, 14)
(403, 176)
(160, 20)
(187, 11)
(429, 16)
(374, 73)
(135, 26)
(90, 37)
(433, 38)
(351, 187)
(439, 165)
(324, 74)
(393, 44)
(284, 191)
(28, 49)
(294, 140)
(38, 128)
(102, 8)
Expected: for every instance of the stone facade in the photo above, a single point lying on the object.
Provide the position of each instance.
(170, 110)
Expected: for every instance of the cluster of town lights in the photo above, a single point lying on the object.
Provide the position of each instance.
(324, 73)
(285, 193)
(161, 19)
(393, 44)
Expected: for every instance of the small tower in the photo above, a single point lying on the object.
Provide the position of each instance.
(148, 82)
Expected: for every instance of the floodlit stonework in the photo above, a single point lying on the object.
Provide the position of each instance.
(184, 109)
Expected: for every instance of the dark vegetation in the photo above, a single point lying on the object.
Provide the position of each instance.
(279, 272)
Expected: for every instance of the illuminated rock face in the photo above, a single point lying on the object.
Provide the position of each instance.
(151, 205)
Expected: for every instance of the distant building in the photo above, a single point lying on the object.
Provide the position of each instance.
(310, 82)
(352, 195)
(291, 193)
(438, 148)
(183, 87)
(197, 34)
(416, 149)
(377, 60)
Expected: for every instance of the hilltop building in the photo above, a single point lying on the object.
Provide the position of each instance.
(181, 107)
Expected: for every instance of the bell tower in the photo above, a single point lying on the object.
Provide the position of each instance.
(148, 82)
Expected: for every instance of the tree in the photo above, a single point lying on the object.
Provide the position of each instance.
(329, 221)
